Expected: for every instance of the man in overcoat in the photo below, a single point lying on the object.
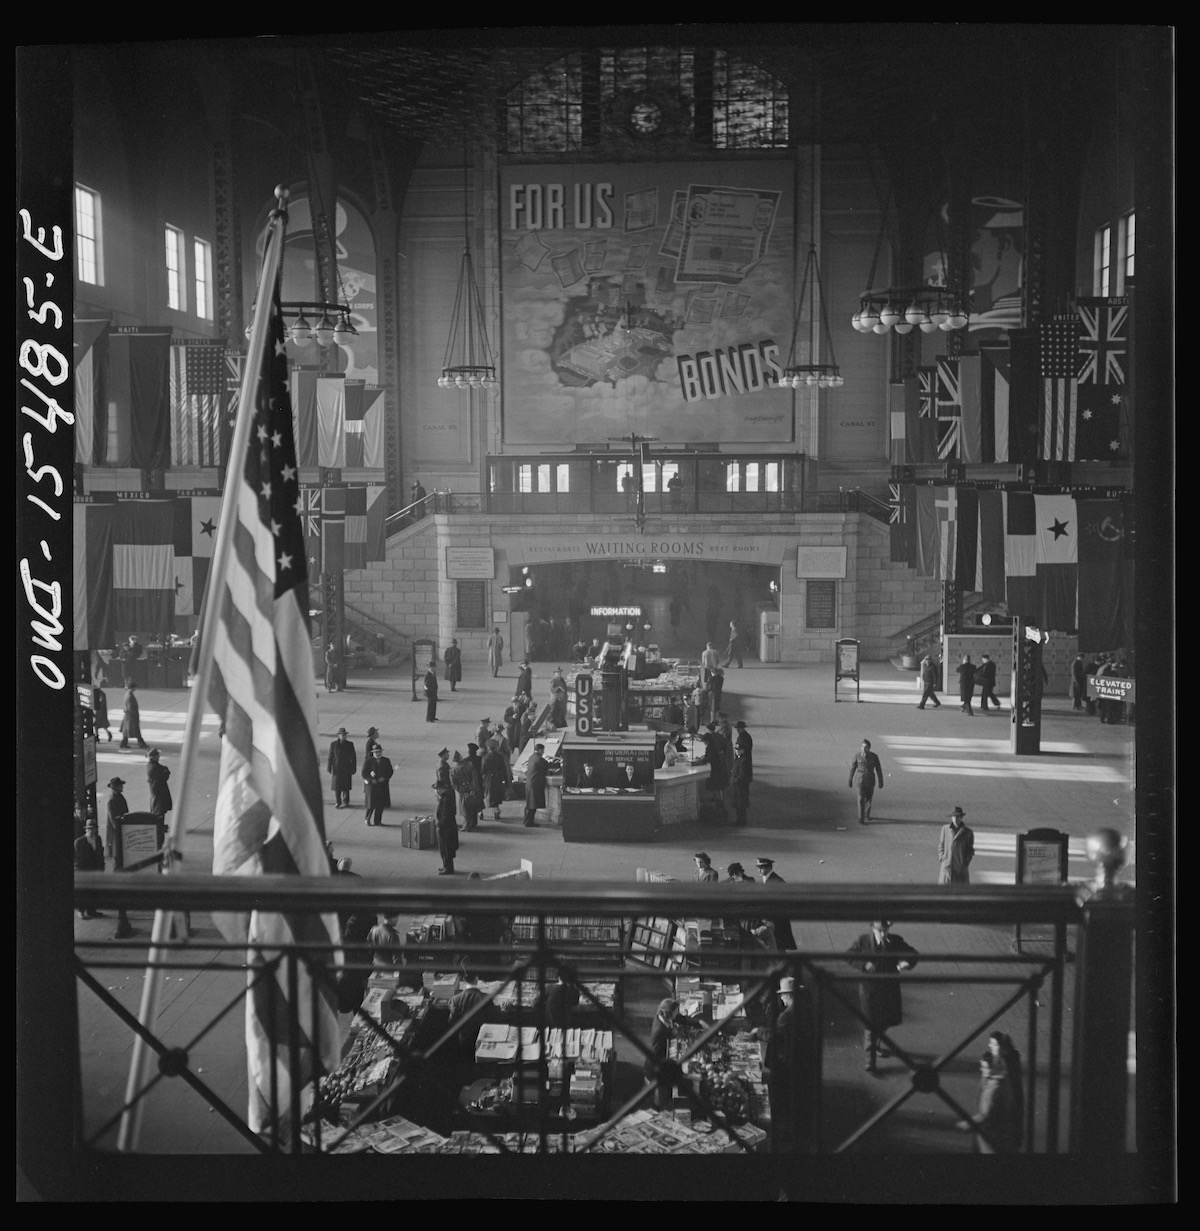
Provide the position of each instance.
(966, 684)
(536, 769)
(525, 681)
(956, 849)
(985, 677)
(117, 808)
(879, 952)
(342, 766)
(495, 648)
(131, 720)
(453, 660)
(496, 777)
(377, 772)
(783, 925)
(930, 673)
(447, 829)
(431, 694)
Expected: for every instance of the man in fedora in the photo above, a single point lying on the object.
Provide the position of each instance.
(156, 777)
(131, 719)
(342, 766)
(865, 771)
(781, 925)
(377, 773)
(956, 849)
(784, 1060)
(880, 952)
(117, 808)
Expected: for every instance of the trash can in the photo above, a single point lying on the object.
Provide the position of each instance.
(768, 637)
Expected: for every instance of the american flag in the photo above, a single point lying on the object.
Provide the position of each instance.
(1059, 389)
(269, 814)
(197, 390)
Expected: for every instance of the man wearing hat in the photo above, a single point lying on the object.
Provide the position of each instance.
(956, 849)
(453, 660)
(377, 772)
(431, 694)
(865, 770)
(157, 775)
(372, 742)
(879, 952)
(117, 808)
(342, 766)
(705, 872)
(781, 924)
(496, 776)
(483, 733)
(495, 649)
(525, 680)
(445, 814)
(718, 772)
(89, 857)
(740, 778)
(131, 720)
(536, 770)
(784, 1060)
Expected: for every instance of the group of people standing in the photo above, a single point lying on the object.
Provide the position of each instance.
(730, 761)
(970, 675)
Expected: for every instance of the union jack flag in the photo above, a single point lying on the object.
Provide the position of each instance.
(926, 392)
(949, 409)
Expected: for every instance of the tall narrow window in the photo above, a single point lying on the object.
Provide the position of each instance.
(1127, 249)
(524, 477)
(543, 477)
(175, 296)
(88, 264)
(1102, 270)
(731, 477)
(202, 260)
(563, 477)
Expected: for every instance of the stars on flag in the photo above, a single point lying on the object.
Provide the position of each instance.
(208, 527)
(1059, 528)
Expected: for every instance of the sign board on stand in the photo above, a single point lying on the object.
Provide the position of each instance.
(845, 664)
(1041, 860)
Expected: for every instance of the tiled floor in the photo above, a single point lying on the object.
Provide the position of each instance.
(802, 815)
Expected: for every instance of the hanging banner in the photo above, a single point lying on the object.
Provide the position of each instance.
(652, 298)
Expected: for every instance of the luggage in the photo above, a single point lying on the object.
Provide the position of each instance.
(418, 833)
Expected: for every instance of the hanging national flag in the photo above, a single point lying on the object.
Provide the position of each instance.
(377, 512)
(898, 526)
(1102, 377)
(197, 389)
(927, 536)
(920, 436)
(303, 386)
(333, 530)
(356, 527)
(195, 535)
(311, 517)
(355, 399)
(139, 369)
(331, 420)
(1024, 395)
(970, 375)
(1020, 556)
(897, 429)
(374, 414)
(93, 575)
(1057, 561)
(1104, 560)
(1059, 403)
(143, 576)
(945, 501)
(91, 363)
(949, 410)
(991, 546)
(993, 402)
(233, 392)
(927, 392)
(269, 813)
(966, 547)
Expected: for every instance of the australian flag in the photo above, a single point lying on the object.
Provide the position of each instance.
(1102, 372)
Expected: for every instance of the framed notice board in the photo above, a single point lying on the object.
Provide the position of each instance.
(424, 656)
(139, 841)
(470, 607)
(1041, 860)
(845, 664)
(820, 604)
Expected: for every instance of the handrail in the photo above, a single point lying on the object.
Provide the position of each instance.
(366, 615)
(959, 904)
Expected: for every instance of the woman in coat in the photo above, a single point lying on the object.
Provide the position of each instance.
(131, 720)
(453, 660)
(496, 777)
(1001, 1113)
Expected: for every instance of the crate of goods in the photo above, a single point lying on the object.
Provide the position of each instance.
(418, 833)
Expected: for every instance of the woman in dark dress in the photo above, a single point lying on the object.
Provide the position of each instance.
(1001, 1114)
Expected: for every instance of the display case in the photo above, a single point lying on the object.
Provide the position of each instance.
(608, 787)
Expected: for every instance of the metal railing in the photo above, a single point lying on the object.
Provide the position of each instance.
(806, 1113)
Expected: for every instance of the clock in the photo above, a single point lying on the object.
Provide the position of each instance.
(645, 117)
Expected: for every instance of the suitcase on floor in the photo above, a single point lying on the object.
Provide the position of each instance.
(418, 833)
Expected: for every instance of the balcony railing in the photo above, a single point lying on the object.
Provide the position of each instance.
(1072, 1076)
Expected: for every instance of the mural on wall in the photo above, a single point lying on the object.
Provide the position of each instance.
(997, 228)
(649, 299)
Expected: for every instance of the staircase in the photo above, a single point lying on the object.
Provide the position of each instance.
(911, 644)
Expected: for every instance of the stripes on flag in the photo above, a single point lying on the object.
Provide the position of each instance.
(269, 813)
(197, 390)
(331, 420)
(1059, 388)
(993, 402)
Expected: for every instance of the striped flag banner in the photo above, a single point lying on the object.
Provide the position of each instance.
(1059, 388)
(269, 814)
(197, 390)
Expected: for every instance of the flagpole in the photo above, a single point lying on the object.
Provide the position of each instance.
(131, 1118)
